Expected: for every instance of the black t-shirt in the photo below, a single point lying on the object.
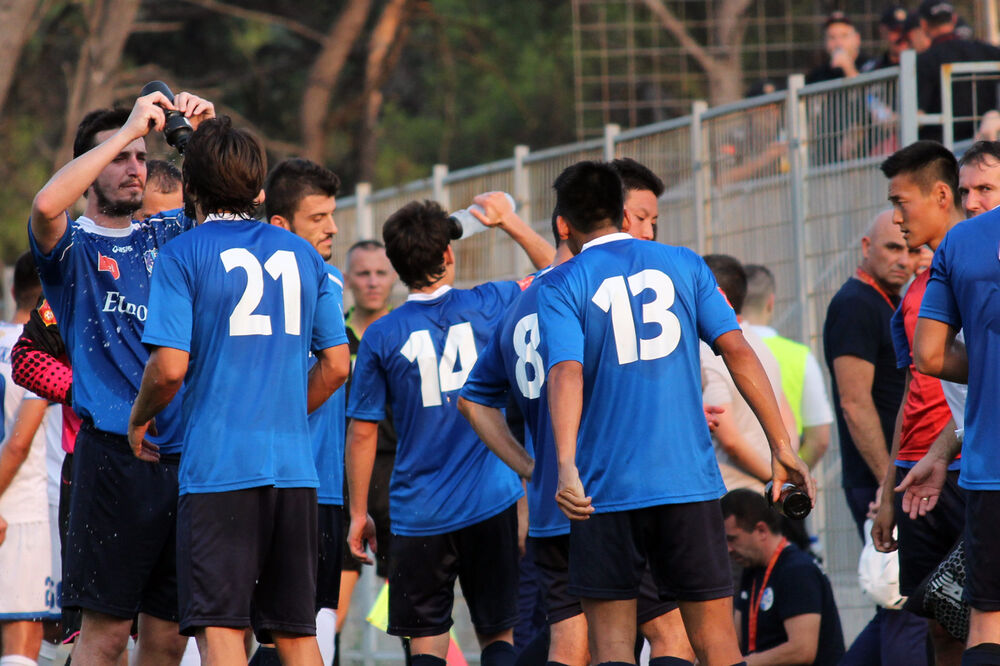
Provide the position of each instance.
(825, 72)
(950, 48)
(797, 586)
(386, 428)
(857, 324)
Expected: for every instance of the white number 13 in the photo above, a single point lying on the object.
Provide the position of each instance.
(612, 296)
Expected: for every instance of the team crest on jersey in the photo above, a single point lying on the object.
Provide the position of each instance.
(149, 256)
(525, 282)
(109, 265)
(45, 311)
(767, 599)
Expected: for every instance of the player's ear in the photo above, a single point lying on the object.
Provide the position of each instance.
(449, 255)
(562, 226)
(279, 221)
(626, 222)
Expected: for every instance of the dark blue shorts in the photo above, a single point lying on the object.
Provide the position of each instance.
(331, 555)
(924, 542)
(982, 549)
(120, 544)
(684, 546)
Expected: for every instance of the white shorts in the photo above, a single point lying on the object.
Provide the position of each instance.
(26, 588)
(54, 584)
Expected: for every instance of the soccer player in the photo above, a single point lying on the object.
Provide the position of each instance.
(163, 189)
(979, 177)
(452, 501)
(648, 461)
(301, 197)
(642, 192)
(95, 274)
(235, 307)
(25, 549)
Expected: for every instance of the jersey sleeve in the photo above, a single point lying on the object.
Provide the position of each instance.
(858, 329)
(328, 323)
(798, 591)
(561, 323)
(939, 300)
(715, 314)
(368, 383)
(171, 305)
(38, 359)
(816, 409)
(53, 266)
(899, 342)
(487, 383)
(172, 223)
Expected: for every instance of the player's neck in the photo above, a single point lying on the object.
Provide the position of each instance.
(21, 317)
(954, 217)
(93, 212)
(769, 545)
(361, 319)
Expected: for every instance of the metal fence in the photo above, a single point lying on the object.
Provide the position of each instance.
(789, 180)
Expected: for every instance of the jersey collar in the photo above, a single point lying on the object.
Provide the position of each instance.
(92, 227)
(227, 217)
(608, 238)
(437, 293)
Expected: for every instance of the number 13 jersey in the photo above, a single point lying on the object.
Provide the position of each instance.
(632, 313)
(416, 359)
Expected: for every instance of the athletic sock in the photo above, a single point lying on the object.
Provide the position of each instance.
(191, 656)
(427, 660)
(669, 661)
(47, 654)
(326, 630)
(17, 660)
(498, 653)
(265, 656)
(984, 654)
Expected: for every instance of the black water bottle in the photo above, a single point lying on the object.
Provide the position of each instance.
(178, 129)
(793, 502)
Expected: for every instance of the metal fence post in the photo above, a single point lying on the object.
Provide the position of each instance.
(700, 174)
(907, 91)
(441, 193)
(798, 159)
(522, 195)
(610, 132)
(947, 109)
(363, 211)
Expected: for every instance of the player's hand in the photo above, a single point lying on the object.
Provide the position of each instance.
(497, 209)
(361, 532)
(921, 487)
(3, 530)
(147, 114)
(787, 467)
(195, 109)
(712, 416)
(142, 448)
(882, 526)
(570, 496)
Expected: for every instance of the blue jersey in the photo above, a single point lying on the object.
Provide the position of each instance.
(416, 359)
(328, 422)
(962, 292)
(632, 313)
(97, 281)
(513, 360)
(248, 301)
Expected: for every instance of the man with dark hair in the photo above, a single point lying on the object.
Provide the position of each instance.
(785, 610)
(891, 31)
(300, 196)
(979, 177)
(642, 190)
(452, 501)
(649, 502)
(163, 189)
(842, 44)
(923, 183)
(247, 515)
(95, 273)
(801, 379)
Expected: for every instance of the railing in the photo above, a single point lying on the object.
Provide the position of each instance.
(790, 180)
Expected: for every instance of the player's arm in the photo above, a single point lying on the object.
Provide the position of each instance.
(855, 377)
(937, 353)
(161, 380)
(566, 408)
(500, 214)
(788, 418)
(814, 443)
(739, 450)
(755, 387)
(491, 426)
(15, 450)
(328, 374)
(885, 519)
(362, 440)
(922, 485)
(800, 648)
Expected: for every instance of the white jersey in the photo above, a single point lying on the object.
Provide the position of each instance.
(26, 498)
(54, 453)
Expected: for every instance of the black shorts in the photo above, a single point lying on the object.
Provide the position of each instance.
(248, 558)
(422, 572)
(982, 548)
(552, 561)
(331, 554)
(71, 617)
(924, 542)
(684, 545)
(378, 507)
(120, 545)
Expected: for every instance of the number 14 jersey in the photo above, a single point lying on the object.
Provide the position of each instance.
(632, 313)
(416, 358)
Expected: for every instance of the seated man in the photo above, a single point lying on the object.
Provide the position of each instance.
(784, 607)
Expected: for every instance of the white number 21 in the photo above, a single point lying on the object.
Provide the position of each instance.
(613, 297)
(280, 266)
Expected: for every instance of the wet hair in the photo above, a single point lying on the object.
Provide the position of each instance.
(731, 277)
(925, 162)
(26, 282)
(224, 168)
(293, 180)
(749, 508)
(980, 152)
(636, 176)
(416, 237)
(760, 286)
(590, 195)
(162, 176)
(92, 124)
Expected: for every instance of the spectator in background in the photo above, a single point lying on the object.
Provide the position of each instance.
(867, 391)
(979, 178)
(890, 29)
(914, 33)
(938, 19)
(801, 377)
(163, 189)
(842, 44)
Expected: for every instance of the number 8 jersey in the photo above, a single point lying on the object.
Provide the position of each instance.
(416, 358)
(632, 313)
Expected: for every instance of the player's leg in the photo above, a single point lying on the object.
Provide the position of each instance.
(348, 580)
(711, 630)
(331, 556)
(22, 638)
(665, 632)
(159, 642)
(567, 624)
(982, 582)
(102, 640)
(221, 646)
(612, 629)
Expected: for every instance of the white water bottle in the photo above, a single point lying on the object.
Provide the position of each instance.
(469, 223)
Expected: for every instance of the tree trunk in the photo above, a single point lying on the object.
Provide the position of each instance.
(109, 23)
(15, 16)
(324, 74)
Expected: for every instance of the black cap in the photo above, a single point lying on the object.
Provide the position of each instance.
(837, 17)
(912, 22)
(936, 10)
(893, 17)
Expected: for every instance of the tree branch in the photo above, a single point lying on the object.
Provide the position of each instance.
(261, 17)
(676, 27)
